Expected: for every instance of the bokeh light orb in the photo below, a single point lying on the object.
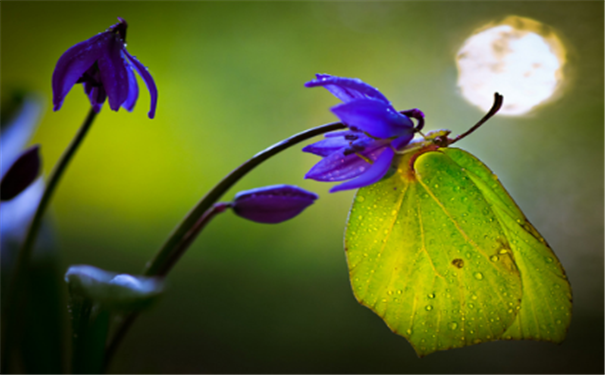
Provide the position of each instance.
(520, 58)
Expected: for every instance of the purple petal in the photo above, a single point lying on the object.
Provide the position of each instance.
(376, 118)
(272, 204)
(374, 174)
(114, 76)
(338, 166)
(153, 91)
(327, 146)
(21, 174)
(347, 89)
(133, 90)
(74, 62)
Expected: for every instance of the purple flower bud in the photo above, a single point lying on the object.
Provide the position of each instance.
(106, 70)
(272, 204)
(21, 174)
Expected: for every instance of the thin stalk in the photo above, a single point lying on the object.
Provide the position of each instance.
(184, 234)
(22, 262)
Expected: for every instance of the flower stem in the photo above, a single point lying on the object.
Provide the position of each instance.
(184, 234)
(18, 278)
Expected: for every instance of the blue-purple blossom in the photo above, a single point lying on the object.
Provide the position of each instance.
(362, 154)
(272, 204)
(106, 70)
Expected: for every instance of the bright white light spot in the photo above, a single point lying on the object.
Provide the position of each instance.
(519, 58)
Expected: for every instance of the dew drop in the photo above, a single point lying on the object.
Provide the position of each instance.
(409, 331)
(428, 307)
(503, 251)
(474, 296)
(494, 258)
(360, 198)
(399, 291)
(478, 275)
(471, 306)
(394, 212)
(359, 217)
(390, 292)
(453, 325)
(431, 295)
(548, 259)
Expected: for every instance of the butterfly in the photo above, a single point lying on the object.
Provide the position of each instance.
(441, 252)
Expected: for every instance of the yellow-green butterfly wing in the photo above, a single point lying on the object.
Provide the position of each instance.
(442, 253)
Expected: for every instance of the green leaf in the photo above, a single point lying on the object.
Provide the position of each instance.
(443, 254)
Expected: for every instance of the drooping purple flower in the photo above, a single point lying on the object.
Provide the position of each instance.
(105, 68)
(272, 204)
(362, 154)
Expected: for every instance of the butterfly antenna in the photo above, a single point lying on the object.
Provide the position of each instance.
(495, 108)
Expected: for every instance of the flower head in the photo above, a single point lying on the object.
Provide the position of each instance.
(272, 204)
(362, 154)
(105, 68)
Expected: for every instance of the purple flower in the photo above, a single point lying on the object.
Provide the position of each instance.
(105, 68)
(272, 204)
(362, 154)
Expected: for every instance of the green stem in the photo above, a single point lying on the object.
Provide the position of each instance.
(200, 215)
(22, 262)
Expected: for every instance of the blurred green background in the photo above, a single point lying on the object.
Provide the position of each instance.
(260, 298)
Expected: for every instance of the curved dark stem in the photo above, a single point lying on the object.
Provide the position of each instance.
(184, 234)
(498, 99)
